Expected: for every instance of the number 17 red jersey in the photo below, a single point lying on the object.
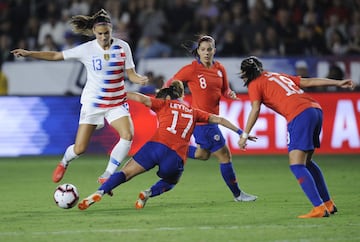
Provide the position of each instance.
(176, 124)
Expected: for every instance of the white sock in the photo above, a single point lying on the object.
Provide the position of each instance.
(69, 155)
(119, 152)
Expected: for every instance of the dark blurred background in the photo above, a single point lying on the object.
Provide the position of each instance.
(258, 27)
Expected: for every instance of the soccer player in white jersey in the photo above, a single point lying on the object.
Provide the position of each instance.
(106, 60)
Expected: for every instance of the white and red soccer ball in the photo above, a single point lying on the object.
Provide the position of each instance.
(66, 196)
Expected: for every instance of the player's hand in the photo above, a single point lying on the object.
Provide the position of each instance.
(143, 80)
(347, 84)
(242, 143)
(252, 138)
(20, 52)
(232, 95)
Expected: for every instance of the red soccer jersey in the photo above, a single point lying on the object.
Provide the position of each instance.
(281, 93)
(176, 124)
(206, 85)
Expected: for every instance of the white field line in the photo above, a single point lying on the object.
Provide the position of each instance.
(127, 230)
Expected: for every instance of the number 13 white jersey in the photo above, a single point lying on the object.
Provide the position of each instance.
(105, 86)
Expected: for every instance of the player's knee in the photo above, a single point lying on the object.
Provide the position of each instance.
(170, 178)
(171, 181)
(127, 136)
(202, 155)
(223, 155)
(79, 149)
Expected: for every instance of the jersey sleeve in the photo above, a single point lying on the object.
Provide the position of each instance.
(254, 92)
(74, 53)
(226, 86)
(156, 103)
(201, 116)
(129, 61)
(296, 79)
(184, 73)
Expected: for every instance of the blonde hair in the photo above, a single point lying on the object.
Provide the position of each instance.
(82, 24)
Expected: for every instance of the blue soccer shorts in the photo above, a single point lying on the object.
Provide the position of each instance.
(304, 130)
(209, 137)
(171, 166)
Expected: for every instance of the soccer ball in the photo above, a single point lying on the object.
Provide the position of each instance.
(66, 196)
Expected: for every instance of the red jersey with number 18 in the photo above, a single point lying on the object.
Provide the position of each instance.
(176, 124)
(281, 93)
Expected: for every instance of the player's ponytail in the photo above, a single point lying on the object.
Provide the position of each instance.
(177, 88)
(193, 46)
(82, 24)
(174, 91)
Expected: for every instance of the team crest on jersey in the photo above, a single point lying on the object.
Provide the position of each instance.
(216, 137)
(107, 57)
(220, 73)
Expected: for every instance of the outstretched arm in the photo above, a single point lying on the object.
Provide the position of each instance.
(226, 123)
(41, 55)
(135, 77)
(139, 97)
(319, 82)
(253, 116)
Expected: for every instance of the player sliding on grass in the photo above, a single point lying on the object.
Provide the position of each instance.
(283, 94)
(167, 149)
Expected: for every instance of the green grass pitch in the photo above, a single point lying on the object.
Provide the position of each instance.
(200, 208)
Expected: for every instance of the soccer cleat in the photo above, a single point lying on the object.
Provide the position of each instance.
(58, 172)
(104, 177)
(143, 197)
(331, 207)
(102, 180)
(87, 202)
(244, 197)
(317, 212)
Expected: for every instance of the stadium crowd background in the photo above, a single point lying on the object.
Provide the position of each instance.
(161, 28)
(158, 28)
(305, 30)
